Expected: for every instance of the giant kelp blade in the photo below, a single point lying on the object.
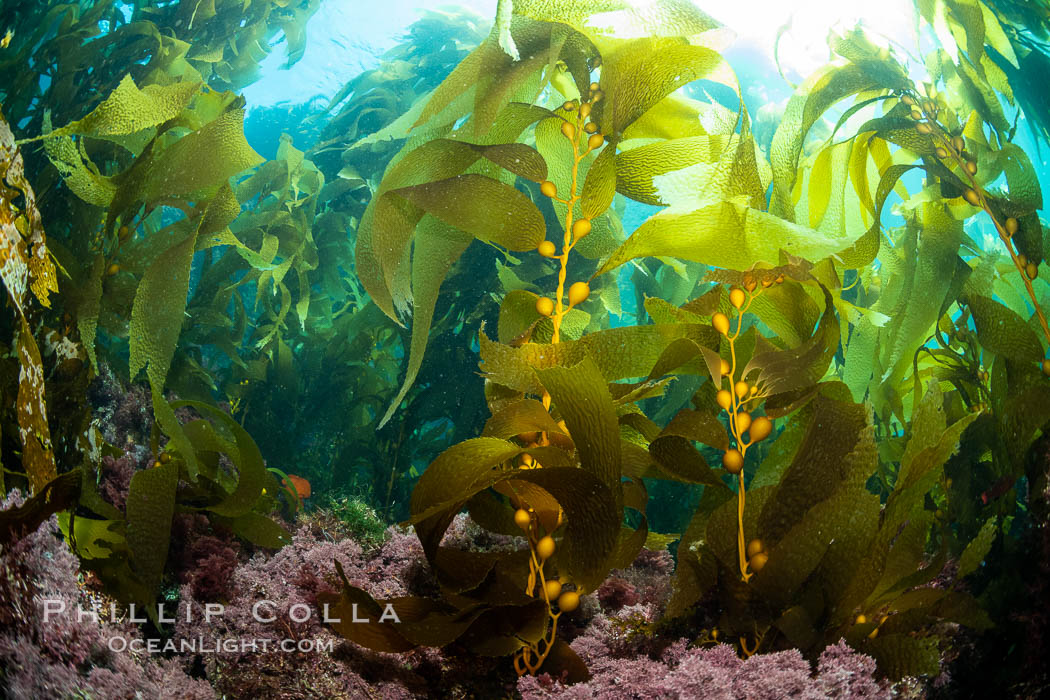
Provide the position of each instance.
(583, 400)
(593, 517)
(596, 20)
(251, 470)
(482, 207)
(523, 416)
(619, 353)
(639, 73)
(819, 466)
(1003, 332)
(724, 234)
(150, 508)
(438, 246)
(129, 109)
(814, 97)
(781, 371)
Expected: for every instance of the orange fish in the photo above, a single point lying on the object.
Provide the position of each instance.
(302, 486)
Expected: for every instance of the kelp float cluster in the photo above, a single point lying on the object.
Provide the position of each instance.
(851, 406)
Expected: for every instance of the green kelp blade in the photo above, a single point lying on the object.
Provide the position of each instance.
(483, 207)
(129, 109)
(466, 468)
(593, 518)
(813, 98)
(654, 173)
(1003, 332)
(619, 353)
(439, 245)
(900, 655)
(599, 19)
(725, 234)
(522, 416)
(599, 187)
(158, 312)
(150, 509)
(582, 398)
(822, 462)
(639, 73)
(251, 470)
(781, 371)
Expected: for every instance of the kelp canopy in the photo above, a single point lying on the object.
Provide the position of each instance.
(832, 345)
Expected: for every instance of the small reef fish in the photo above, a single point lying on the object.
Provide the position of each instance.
(6, 40)
(997, 489)
(301, 485)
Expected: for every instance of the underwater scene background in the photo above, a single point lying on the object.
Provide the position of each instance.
(524, 349)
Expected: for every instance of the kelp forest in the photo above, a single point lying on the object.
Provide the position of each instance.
(538, 361)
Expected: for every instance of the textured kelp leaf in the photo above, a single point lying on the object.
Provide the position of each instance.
(638, 74)
(466, 468)
(593, 516)
(38, 458)
(1024, 411)
(581, 397)
(679, 460)
(679, 165)
(150, 509)
(517, 158)
(251, 470)
(900, 655)
(905, 555)
(860, 358)
(781, 371)
(438, 247)
(563, 662)
(483, 207)
(619, 353)
(699, 426)
(172, 427)
(463, 77)
(61, 493)
(920, 293)
(928, 423)
(819, 467)
(545, 506)
(600, 186)
(620, 17)
(674, 117)
(724, 235)
(88, 309)
(160, 300)
(128, 109)
(798, 553)
(524, 416)
(978, 548)
(788, 310)
(201, 159)
(95, 539)
(1002, 331)
(814, 97)
(259, 530)
(384, 637)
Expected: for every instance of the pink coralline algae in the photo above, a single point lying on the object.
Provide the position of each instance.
(286, 585)
(69, 655)
(717, 674)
